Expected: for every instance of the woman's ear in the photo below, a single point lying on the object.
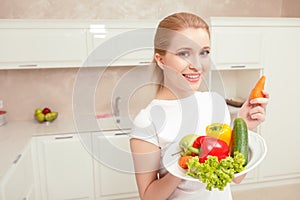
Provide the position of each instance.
(159, 60)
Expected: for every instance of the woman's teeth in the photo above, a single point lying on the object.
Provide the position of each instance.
(191, 76)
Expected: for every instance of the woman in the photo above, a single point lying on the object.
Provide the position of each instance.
(182, 47)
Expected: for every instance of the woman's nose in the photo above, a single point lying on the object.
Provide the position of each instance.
(196, 64)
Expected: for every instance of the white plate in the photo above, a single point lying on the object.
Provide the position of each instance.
(257, 152)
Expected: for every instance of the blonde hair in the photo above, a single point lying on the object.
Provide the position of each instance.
(162, 39)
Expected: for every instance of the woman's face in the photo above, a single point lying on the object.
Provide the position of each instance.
(187, 56)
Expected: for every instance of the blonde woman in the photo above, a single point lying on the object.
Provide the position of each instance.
(182, 49)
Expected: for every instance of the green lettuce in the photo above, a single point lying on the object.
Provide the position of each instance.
(213, 173)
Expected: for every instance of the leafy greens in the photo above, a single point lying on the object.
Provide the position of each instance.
(213, 173)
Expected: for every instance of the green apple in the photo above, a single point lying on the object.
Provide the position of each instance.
(49, 117)
(54, 114)
(38, 111)
(40, 117)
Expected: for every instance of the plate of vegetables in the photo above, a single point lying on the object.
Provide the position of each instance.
(217, 157)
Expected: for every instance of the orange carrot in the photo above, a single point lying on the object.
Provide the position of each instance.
(259, 87)
(183, 160)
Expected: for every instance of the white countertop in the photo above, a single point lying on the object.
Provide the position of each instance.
(15, 135)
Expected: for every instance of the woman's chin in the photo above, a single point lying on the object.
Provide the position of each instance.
(195, 86)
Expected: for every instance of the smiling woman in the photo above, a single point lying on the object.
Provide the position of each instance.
(187, 56)
(182, 46)
(181, 59)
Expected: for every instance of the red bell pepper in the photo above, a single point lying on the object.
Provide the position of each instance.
(206, 146)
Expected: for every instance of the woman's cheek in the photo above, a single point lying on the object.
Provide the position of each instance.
(179, 64)
(206, 64)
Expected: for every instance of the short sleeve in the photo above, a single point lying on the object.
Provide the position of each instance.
(143, 128)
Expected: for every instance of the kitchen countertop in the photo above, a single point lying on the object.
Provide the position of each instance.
(15, 135)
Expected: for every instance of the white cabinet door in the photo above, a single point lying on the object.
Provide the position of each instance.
(114, 175)
(281, 58)
(34, 45)
(236, 47)
(66, 168)
(119, 46)
(18, 182)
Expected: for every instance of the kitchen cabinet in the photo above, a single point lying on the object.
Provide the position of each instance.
(234, 84)
(281, 58)
(41, 44)
(116, 44)
(278, 41)
(65, 167)
(114, 172)
(235, 44)
(75, 166)
(18, 182)
(34, 44)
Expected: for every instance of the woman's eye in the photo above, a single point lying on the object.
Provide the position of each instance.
(204, 53)
(183, 54)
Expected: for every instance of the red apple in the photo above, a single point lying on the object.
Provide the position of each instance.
(46, 110)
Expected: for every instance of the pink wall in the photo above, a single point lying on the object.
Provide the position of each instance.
(24, 90)
(142, 9)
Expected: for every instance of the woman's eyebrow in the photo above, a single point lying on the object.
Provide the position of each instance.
(190, 49)
(184, 48)
(206, 47)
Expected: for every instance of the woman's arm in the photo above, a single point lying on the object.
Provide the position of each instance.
(146, 158)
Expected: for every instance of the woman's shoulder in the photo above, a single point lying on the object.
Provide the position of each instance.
(144, 116)
(142, 119)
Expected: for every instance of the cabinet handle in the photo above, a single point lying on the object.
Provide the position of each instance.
(17, 159)
(144, 62)
(28, 65)
(237, 66)
(63, 137)
(118, 134)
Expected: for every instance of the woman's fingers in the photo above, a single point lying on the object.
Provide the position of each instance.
(257, 113)
(261, 101)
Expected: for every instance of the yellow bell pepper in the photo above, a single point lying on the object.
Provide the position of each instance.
(220, 131)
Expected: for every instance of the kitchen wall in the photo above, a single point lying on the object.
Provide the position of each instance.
(24, 90)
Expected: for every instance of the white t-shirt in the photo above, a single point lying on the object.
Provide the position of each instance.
(164, 122)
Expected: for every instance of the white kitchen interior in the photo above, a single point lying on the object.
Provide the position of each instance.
(60, 160)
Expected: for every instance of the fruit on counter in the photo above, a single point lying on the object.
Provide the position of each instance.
(38, 111)
(45, 115)
(219, 130)
(259, 87)
(40, 117)
(50, 116)
(46, 110)
(240, 138)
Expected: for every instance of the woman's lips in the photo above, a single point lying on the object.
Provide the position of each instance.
(192, 77)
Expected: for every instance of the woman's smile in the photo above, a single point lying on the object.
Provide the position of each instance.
(192, 77)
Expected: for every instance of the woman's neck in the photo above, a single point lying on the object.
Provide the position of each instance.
(166, 94)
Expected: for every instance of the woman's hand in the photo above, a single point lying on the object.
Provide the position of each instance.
(254, 111)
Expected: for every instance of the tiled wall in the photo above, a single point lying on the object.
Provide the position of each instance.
(25, 90)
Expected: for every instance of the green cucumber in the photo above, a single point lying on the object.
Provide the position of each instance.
(239, 137)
